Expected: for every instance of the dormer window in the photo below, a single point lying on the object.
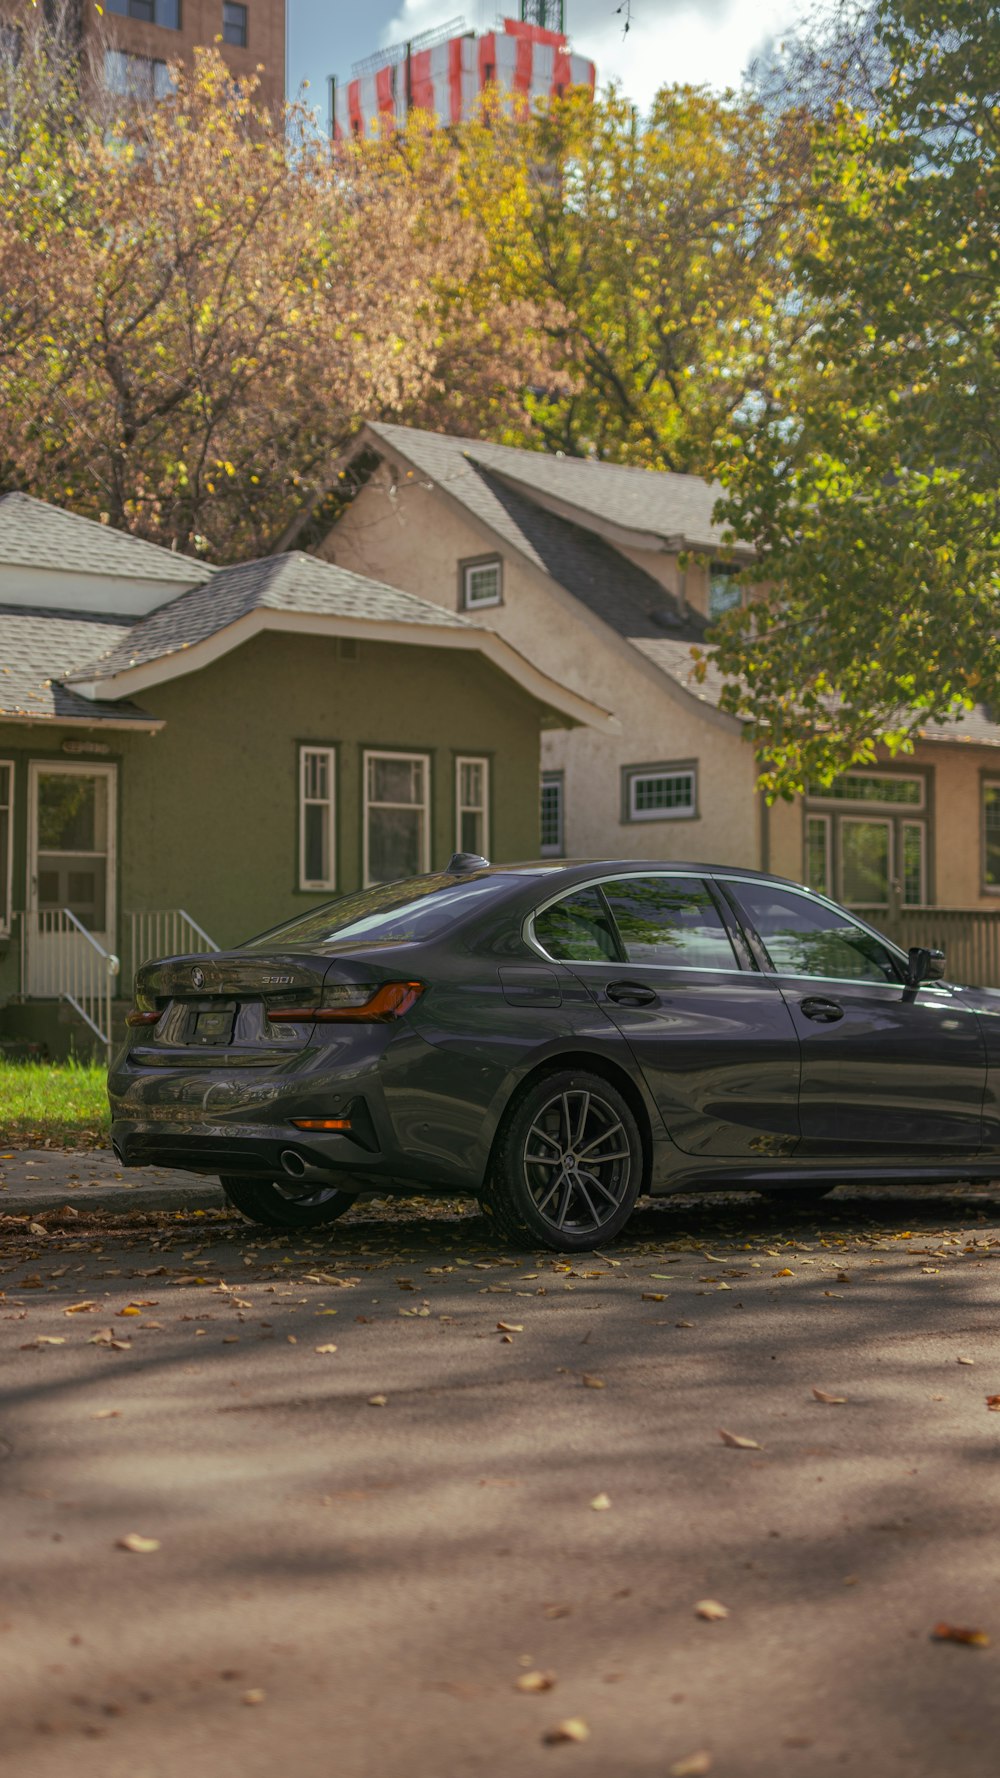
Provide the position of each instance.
(480, 582)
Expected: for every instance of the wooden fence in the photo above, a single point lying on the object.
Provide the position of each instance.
(970, 940)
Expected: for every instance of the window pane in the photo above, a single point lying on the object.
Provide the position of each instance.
(577, 929)
(395, 781)
(119, 6)
(818, 853)
(471, 831)
(867, 787)
(4, 862)
(913, 864)
(670, 920)
(316, 776)
(316, 819)
(724, 592)
(552, 815)
(991, 835)
(394, 844)
(234, 24)
(392, 911)
(865, 854)
(659, 794)
(168, 14)
(804, 938)
(71, 812)
(471, 784)
(141, 9)
(482, 585)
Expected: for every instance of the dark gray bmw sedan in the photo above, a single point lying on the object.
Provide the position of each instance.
(556, 1041)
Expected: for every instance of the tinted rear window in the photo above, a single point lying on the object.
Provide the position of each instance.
(389, 913)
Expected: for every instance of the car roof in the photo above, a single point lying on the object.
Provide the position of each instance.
(583, 869)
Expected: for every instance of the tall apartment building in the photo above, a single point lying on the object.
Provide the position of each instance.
(146, 35)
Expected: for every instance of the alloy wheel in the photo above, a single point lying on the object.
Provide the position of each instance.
(577, 1162)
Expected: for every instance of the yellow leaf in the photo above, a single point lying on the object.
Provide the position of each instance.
(79, 1308)
(834, 1401)
(693, 1765)
(572, 1728)
(741, 1444)
(711, 1610)
(535, 1682)
(601, 1503)
(137, 1544)
(325, 1348)
(654, 1296)
(592, 1382)
(378, 1401)
(956, 1633)
(510, 1326)
(254, 1696)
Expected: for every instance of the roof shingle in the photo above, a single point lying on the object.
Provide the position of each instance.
(293, 582)
(34, 534)
(39, 649)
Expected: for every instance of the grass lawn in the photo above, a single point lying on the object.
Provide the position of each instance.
(62, 1105)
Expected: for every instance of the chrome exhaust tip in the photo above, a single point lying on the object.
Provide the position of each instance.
(293, 1164)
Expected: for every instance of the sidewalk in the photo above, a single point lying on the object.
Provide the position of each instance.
(36, 1179)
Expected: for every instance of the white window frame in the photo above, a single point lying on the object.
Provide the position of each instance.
(556, 781)
(7, 882)
(374, 753)
(307, 751)
(483, 808)
(471, 568)
(635, 775)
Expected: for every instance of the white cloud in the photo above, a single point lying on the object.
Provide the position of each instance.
(702, 42)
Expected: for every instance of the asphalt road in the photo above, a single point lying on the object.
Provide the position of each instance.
(350, 1589)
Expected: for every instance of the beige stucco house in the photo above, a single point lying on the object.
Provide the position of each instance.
(578, 565)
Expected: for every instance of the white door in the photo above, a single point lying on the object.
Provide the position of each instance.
(71, 864)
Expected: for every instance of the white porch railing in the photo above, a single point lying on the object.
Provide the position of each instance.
(61, 960)
(169, 932)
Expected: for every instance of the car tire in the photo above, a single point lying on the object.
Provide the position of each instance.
(268, 1203)
(533, 1197)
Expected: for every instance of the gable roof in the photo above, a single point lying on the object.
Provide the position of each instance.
(293, 583)
(34, 534)
(301, 594)
(665, 507)
(40, 648)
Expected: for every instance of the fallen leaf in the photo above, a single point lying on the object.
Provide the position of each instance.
(693, 1765)
(139, 1545)
(107, 1414)
(573, 1728)
(129, 1309)
(601, 1503)
(993, 1403)
(956, 1633)
(36, 1228)
(510, 1327)
(535, 1682)
(785, 1272)
(833, 1401)
(254, 1695)
(593, 1382)
(43, 1340)
(554, 1611)
(105, 1337)
(741, 1444)
(79, 1308)
(324, 1348)
(711, 1609)
(965, 1361)
(683, 1323)
(378, 1401)
(654, 1296)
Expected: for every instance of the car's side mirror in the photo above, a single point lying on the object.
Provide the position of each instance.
(923, 965)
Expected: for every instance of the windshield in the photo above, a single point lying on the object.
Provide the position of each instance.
(388, 913)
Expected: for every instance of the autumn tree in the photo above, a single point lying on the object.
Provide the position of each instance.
(869, 483)
(658, 253)
(197, 308)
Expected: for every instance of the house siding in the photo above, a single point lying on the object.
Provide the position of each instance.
(413, 537)
(208, 807)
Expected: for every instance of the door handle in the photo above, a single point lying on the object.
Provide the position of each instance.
(631, 994)
(825, 1012)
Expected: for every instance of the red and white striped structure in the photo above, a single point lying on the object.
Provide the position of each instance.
(524, 62)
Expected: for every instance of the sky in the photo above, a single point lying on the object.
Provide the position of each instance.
(705, 42)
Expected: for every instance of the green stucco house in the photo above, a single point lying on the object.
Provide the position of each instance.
(189, 754)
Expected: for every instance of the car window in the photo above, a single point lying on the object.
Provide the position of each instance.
(577, 929)
(670, 920)
(803, 937)
(390, 913)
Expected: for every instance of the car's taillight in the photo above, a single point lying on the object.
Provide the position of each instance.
(364, 1004)
(138, 1016)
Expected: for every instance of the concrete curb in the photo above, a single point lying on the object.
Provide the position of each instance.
(40, 1179)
